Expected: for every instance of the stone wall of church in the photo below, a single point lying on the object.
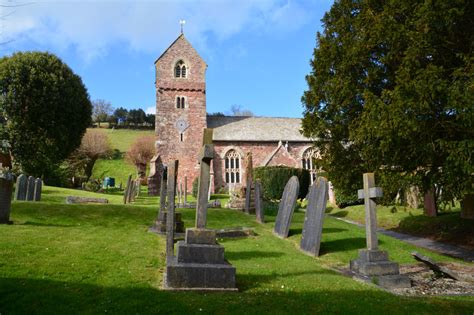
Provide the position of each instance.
(262, 152)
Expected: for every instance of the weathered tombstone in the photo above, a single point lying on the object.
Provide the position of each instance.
(79, 200)
(331, 194)
(180, 194)
(20, 189)
(172, 175)
(154, 179)
(200, 263)
(249, 185)
(127, 188)
(313, 221)
(38, 188)
(163, 191)
(185, 190)
(372, 262)
(259, 210)
(430, 203)
(30, 188)
(6, 187)
(139, 187)
(286, 208)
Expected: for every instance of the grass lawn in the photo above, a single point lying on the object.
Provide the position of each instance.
(446, 227)
(120, 139)
(78, 259)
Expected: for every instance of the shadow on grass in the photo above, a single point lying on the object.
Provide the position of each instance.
(340, 214)
(250, 254)
(342, 245)
(35, 296)
(44, 224)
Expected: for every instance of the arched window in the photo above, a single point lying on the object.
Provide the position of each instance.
(180, 69)
(232, 167)
(180, 102)
(308, 163)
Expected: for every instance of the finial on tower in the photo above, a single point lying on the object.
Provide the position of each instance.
(182, 22)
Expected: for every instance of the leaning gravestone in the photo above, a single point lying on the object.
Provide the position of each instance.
(372, 262)
(154, 180)
(30, 189)
(38, 188)
(259, 210)
(286, 208)
(313, 221)
(199, 263)
(20, 189)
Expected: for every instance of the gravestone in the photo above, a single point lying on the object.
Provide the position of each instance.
(259, 210)
(127, 188)
(430, 203)
(38, 188)
(372, 262)
(249, 203)
(6, 186)
(199, 263)
(286, 208)
(172, 175)
(467, 206)
(30, 188)
(185, 190)
(20, 189)
(313, 221)
(154, 179)
(76, 199)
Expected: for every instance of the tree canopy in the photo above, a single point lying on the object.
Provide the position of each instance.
(391, 91)
(45, 109)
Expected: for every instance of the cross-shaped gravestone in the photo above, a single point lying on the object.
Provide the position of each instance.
(205, 157)
(369, 193)
(172, 175)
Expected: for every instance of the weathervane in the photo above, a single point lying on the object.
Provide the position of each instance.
(182, 22)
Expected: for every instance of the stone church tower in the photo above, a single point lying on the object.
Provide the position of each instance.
(180, 107)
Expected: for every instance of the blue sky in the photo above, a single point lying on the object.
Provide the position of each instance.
(257, 51)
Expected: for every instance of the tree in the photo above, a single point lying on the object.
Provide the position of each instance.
(46, 110)
(150, 120)
(101, 110)
(237, 110)
(140, 153)
(120, 115)
(136, 116)
(391, 92)
(94, 145)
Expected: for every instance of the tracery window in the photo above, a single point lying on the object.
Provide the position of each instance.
(308, 163)
(180, 69)
(232, 167)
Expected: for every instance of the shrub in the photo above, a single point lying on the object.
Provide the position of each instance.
(344, 199)
(274, 179)
(141, 152)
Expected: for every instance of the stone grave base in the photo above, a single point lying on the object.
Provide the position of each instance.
(160, 224)
(374, 264)
(199, 264)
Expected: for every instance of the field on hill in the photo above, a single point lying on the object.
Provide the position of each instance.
(120, 139)
(59, 258)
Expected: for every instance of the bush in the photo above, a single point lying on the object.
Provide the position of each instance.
(344, 199)
(274, 179)
(195, 187)
(92, 185)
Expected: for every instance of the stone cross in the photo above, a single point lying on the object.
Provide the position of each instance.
(30, 188)
(286, 208)
(20, 189)
(259, 210)
(38, 188)
(313, 221)
(127, 188)
(205, 157)
(368, 194)
(163, 189)
(172, 176)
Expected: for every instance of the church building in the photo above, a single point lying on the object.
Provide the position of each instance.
(181, 118)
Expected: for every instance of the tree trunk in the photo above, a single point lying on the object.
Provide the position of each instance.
(430, 203)
(89, 167)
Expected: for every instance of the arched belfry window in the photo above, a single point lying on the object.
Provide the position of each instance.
(308, 162)
(232, 167)
(180, 69)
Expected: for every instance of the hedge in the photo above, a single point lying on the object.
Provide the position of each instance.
(274, 179)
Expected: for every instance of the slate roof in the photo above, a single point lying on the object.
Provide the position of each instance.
(239, 128)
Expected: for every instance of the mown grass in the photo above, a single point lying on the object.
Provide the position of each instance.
(447, 227)
(78, 259)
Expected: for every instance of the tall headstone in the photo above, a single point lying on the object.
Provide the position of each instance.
(249, 208)
(286, 208)
(331, 194)
(430, 203)
(154, 179)
(6, 186)
(313, 221)
(30, 188)
(185, 190)
(259, 210)
(20, 189)
(372, 262)
(127, 188)
(205, 157)
(38, 189)
(199, 263)
(163, 191)
(172, 175)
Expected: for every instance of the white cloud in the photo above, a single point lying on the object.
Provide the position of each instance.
(92, 28)
(150, 110)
